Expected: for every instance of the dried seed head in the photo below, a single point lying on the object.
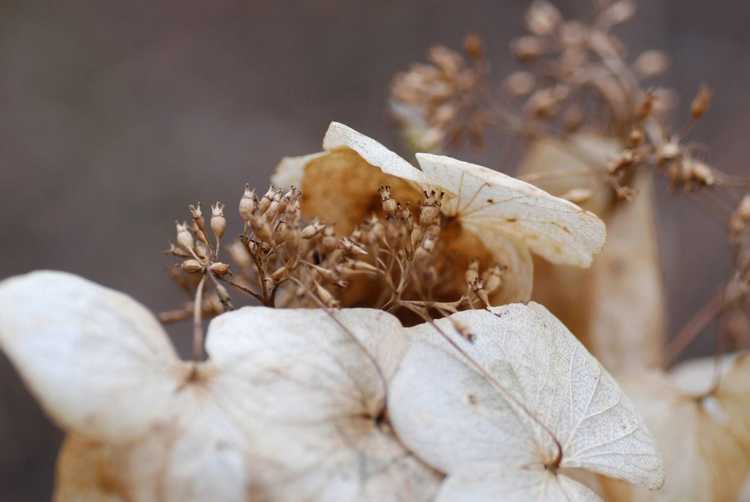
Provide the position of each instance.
(191, 266)
(218, 221)
(219, 268)
(701, 102)
(352, 247)
(248, 204)
(184, 237)
(542, 18)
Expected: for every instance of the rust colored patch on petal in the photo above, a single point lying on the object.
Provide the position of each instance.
(86, 472)
(341, 188)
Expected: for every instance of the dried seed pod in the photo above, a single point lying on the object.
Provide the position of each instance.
(542, 18)
(389, 205)
(248, 204)
(184, 237)
(312, 230)
(191, 266)
(472, 273)
(218, 268)
(218, 221)
(701, 102)
(325, 296)
(527, 48)
(651, 64)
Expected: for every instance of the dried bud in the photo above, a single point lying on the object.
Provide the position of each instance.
(429, 213)
(472, 273)
(618, 12)
(196, 214)
(219, 268)
(326, 297)
(265, 201)
(577, 195)
(543, 103)
(184, 237)
(493, 278)
(261, 228)
(668, 151)
(239, 255)
(191, 266)
(312, 230)
(218, 222)
(651, 64)
(352, 247)
(635, 138)
(520, 83)
(527, 48)
(701, 102)
(542, 18)
(473, 46)
(389, 205)
(248, 204)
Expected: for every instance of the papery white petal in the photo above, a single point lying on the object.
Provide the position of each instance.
(543, 378)
(290, 170)
(490, 201)
(311, 390)
(498, 483)
(342, 136)
(97, 360)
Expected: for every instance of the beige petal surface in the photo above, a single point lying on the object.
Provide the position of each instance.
(514, 485)
(539, 393)
(487, 201)
(97, 360)
(617, 307)
(316, 390)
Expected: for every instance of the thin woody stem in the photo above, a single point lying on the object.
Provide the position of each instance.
(198, 350)
(700, 321)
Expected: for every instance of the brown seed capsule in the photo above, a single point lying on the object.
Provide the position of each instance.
(542, 17)
(191, 266)
(219, 268)
(473, 46)
(389, 205)
(218, 221)
(266, 200)
(472, 273)
(312, 230)
(701, 102)
(184, 237)
(527, 48)
(325, 296)
(248, 204)
(352, 247)
(493, 279)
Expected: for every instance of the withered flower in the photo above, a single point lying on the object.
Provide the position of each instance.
(484, 214)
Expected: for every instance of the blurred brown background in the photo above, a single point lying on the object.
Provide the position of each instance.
(116, 114)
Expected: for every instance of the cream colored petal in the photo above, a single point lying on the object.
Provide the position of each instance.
(513, 485)
(290, 170)
(543, 379)
(342, 136)
(579, 162)
(195, 457)
(552, 227)
(98, 361)
(311, 393)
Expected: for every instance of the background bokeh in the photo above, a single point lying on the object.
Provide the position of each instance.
(117, 114)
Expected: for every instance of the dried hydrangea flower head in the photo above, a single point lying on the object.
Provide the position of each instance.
(483, 215)
(700, 416)
(288, 406)
(521, 407)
